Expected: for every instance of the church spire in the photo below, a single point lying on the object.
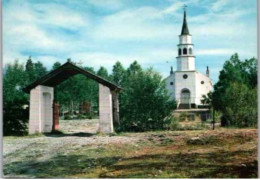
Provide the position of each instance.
(185, 29)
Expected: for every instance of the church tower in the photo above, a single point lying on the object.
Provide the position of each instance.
(186, 85)
(185, 58)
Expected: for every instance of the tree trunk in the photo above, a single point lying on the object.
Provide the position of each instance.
(213, 122)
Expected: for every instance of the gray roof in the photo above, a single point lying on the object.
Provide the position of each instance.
(185, 29)
(66, 71)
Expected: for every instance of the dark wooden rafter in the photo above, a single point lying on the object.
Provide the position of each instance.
(66, 71)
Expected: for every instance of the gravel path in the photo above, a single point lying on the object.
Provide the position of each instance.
(77, 133)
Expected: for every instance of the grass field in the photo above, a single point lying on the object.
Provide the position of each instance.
(222, 153)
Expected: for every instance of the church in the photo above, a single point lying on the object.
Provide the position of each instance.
(186, 85)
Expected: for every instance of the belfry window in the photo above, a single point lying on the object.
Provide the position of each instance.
(179, 51)
(185, 51)
(190, 50)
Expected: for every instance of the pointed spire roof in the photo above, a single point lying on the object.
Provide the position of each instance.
(185, 29)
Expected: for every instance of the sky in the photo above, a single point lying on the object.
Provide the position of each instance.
(100, 32)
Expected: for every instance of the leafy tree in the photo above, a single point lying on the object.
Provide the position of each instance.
(144, 102)
(134, 68)
(102, 72)
(118, 73)
(40, 70)
(34, 70)
(240, 109)
(207, 100)
(239, 72)
(29, 69)
(56, 65)
(15, 115)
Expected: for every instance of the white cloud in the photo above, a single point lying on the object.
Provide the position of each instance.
(219, 5)
(147, 33)
(111, 4)
(173, 8)
(215, 52)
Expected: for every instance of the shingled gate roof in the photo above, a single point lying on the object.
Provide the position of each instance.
(66, 71)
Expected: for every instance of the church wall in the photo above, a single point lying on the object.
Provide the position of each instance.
(170, 88)
(202, 89)
(181, 83)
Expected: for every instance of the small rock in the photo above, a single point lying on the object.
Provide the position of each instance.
(243, 165)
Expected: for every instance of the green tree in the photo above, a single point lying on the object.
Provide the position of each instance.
(56, 65)
(29, 69)
(239, 72)
(39, 70)
(144, 101)
(118, 73)
(34, 71)
(241, 106)
(15, 115)
(102, 72)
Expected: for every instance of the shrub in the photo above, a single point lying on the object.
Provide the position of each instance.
(15, 121)
(68, 117)
(183, 116)
(174, 125)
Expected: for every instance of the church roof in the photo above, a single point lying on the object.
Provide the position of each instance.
(185, 29)
(66, 71)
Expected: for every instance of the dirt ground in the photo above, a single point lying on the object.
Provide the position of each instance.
(79, 152)
(76, 133)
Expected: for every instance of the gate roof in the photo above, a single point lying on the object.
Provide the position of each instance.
(66, 71)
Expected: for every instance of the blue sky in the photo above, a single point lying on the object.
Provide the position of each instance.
(101, 32)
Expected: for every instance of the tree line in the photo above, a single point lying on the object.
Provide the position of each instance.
(144, 103)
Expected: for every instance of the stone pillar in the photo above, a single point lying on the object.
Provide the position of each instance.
(41, 112)
(105, 110)
(115, 107)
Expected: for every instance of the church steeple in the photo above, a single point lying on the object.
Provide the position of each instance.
(185, 58)
(185, 29)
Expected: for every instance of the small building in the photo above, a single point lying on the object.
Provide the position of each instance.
(186, 85)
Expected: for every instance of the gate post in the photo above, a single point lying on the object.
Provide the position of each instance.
(56, 113)
(105, 110)
(115, 107)
(40, 118)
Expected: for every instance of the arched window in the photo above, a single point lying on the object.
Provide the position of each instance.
(190, 50)
(179, 51)
(185, 51)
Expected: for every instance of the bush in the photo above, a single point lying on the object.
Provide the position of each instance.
(81, 116)
(15, 121)
(191, 117)
(68, 117)
(183, 116)
(174, 125)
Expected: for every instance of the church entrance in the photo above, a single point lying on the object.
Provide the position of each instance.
(185, 99)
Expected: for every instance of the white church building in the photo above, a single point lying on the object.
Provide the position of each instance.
(186, 85)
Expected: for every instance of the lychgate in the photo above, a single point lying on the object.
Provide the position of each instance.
(42, 93)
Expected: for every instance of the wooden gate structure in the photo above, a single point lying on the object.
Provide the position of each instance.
(42, 119)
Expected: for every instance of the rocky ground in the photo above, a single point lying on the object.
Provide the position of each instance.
(79, 152)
